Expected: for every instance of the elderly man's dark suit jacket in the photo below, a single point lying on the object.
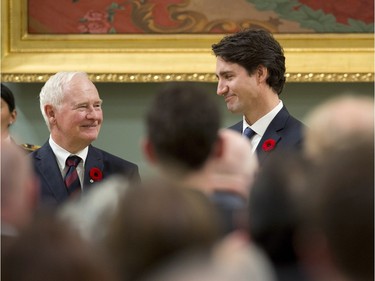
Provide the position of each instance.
(284, 129)
(53, 190)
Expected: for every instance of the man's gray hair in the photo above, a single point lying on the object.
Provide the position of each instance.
(52, 92)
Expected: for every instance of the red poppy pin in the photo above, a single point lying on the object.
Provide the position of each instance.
(268, 145)
(95, 174)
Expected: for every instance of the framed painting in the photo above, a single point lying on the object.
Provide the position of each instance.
(170, 40)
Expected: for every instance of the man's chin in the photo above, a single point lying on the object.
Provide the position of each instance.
(90, 132)
(89, 138)
(232, 109)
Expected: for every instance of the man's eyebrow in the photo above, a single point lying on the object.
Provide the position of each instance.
(80, 103)
(225, 72)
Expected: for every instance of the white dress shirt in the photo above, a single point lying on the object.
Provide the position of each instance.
(261, 125)
(61, 155)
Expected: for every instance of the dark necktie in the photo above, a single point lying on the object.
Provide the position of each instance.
(249, 133)
(71, 178)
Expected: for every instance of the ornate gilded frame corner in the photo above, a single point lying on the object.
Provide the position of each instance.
(175, 57)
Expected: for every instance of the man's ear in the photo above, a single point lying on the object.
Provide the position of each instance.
(148, 151)
(50, 113)
(261, 73)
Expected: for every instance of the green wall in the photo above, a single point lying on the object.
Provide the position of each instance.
(126, 103)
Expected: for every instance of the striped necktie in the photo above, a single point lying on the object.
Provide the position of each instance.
(71, 178)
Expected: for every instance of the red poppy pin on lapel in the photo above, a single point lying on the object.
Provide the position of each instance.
(95, 174)
(268, 145)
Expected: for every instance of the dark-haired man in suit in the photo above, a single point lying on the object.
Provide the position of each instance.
(250, 67)
(71, 107)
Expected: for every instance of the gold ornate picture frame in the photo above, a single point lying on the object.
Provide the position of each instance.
(318, 57)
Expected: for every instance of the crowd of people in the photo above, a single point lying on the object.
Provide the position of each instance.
(270, 198)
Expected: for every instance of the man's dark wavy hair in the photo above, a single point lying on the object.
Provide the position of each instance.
(251, 48)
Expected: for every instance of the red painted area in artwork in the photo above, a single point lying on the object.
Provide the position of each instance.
(70, 17)
(151, 16)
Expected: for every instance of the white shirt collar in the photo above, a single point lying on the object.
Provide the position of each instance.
(261, 125)
(62, 154)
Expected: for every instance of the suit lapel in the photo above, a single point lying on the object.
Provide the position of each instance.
(49, 170)
(94, 160)
(272, 132)
(237, 127)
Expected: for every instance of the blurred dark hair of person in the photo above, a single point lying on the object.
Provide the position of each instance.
(276, 214)
(19, 192)
(337, 242)
(158, 222)
(50, 250)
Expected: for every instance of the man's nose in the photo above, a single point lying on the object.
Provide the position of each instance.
(221, 89)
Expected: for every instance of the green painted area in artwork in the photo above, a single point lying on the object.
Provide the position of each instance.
(317, 20)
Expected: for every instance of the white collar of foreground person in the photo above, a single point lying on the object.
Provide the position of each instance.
(91, 214)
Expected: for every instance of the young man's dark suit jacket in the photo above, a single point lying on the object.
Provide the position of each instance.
(53, 190)
(284, 129)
